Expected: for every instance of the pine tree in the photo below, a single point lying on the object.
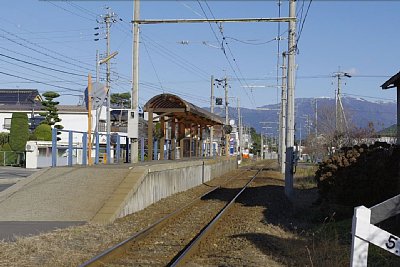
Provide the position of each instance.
(51, 111)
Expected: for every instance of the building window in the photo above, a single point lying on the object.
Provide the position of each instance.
(7, 123)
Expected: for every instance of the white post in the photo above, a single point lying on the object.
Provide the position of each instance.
(359, 247)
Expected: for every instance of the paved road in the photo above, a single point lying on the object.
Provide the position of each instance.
(5, 186)
(10, 229)
(10, 175)
(15, 172)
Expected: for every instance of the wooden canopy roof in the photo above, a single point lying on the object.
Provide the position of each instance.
(174, 106)
(394, 81)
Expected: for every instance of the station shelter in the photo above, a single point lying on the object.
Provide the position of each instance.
(180, 127)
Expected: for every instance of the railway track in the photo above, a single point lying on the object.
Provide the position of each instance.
(172, 240)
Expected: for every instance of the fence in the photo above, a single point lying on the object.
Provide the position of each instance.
(12, 158)
(77, 152)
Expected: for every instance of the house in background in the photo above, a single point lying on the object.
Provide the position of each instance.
(73, 117)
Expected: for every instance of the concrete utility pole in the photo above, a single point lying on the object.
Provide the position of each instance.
(316, 117)
(240, 129)
(262, 145)
(340, 117)
(135, 85)
(226, 116)
(290, 101)
(212, 111)
(226, 101)
(97, 66)
(108, 19)
(282, 120)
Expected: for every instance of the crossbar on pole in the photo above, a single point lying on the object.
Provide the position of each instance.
(160, 21)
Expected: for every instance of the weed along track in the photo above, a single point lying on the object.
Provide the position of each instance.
(173, 239)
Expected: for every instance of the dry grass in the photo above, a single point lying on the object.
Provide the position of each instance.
(64, 247)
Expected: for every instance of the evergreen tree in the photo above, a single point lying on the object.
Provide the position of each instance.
(42, 133)
(122, 100)
(19, 132)
(51, 111)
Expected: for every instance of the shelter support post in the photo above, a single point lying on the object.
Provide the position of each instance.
(173, 139)
(150, 136)
(181, 136)
(162, 139)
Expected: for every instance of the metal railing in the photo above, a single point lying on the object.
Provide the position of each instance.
(12, 158)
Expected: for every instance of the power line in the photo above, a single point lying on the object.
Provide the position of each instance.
(373, 97)
(152, 64)
(302, 24)
(177, 59)
(44, 61)
(223, 50)
(69, 11)
(44, 67)
(40, 52)
(250, 43)
(36, 71)
(27, 79)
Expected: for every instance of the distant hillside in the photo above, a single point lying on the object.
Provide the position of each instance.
(360, 113)
(390, 131)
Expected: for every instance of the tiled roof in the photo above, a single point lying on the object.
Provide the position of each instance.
(19, 96)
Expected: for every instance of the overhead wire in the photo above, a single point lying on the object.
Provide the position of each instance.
(43, 53)
(372, 97)
(278, 58)
(302, 24)
(230, 51)
(40, 82)
(175, 58)
(36, 71)
(152, 64)
(41, 66)
(34, 58)
(249, 41)
(69, 11)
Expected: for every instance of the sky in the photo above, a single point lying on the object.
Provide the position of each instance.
(50, 46)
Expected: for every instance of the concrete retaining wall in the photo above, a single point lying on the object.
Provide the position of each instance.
(165, 180)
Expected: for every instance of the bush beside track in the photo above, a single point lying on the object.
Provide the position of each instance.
(359, 175)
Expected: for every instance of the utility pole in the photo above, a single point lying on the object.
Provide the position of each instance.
(290, 101)
(108, 19)
(240, 129)
(282, 120)
(262, 145)
(133, 129)
(226, 101)
(316, 117)
(340, 117)
(226, 116)
(212, 111)
(97, 66)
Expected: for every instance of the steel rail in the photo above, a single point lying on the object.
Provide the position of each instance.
(182, 258)
(119, 248)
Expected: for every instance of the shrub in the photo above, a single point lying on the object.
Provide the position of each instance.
(360, 175)
(42, 133)
(19, 132)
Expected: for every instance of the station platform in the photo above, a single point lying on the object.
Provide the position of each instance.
(101, 193)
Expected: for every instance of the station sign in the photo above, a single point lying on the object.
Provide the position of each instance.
(364, 231)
